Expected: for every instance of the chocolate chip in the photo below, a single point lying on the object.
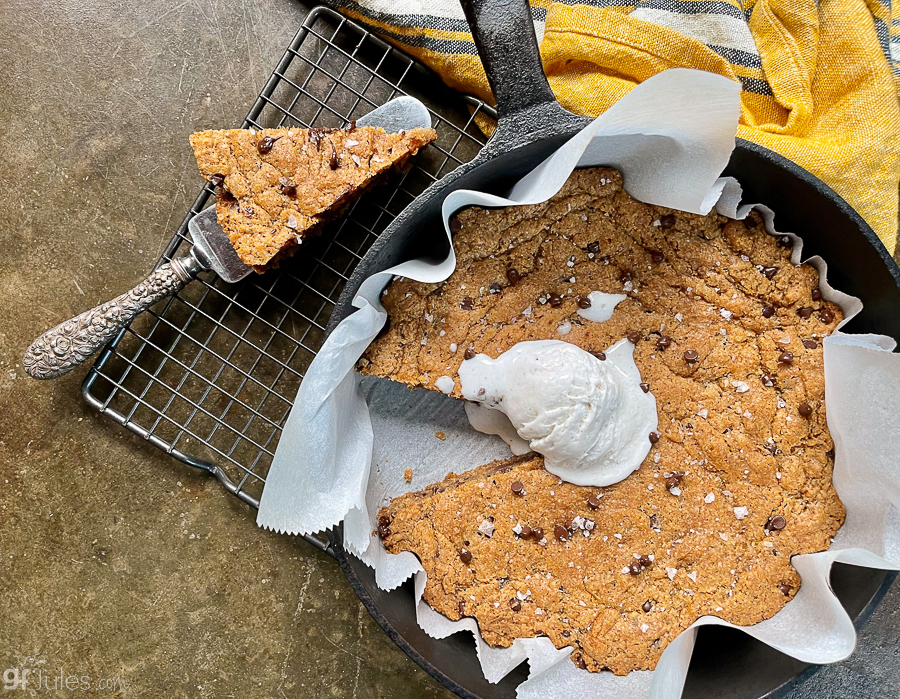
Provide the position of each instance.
(674, 479)
(513, 276)
(594, 247)
(593, 502)
(786, 358)
(634, 567)
(625, 277)
(580, 664)
(768, 311)
(785, 242)
(584, 302)
(469, 353)
(225, 194)
(537, 533)
(289, 190)
(654, 437)
(770, 272)
(664, 342)
(600, 355)
(217, 180)
(816, 295)
(468, 303)
(495, 288)
(805, 312)
(768, 380)
(691, 356)
(657, 257)
(667, 221)
(265, 144)
(384, 531)
(605, 259)
(776, 523)
(526, 532)
(555, 300)
(384, 521)
(515, 604)
(645, 387)
(465, 555)
(810, 344)
(826, 316)
(461, 607)
(334, 162)
(561, 532)
(805, 409)
(517, 487)
(645, 561)
(633, 337)
(647, 606)
(455, 225)
(785, 589)
(565, 633)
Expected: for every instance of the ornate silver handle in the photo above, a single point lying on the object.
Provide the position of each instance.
(72, 342)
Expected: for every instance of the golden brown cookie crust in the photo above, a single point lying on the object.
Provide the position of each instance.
(278, 186)
(744, 423)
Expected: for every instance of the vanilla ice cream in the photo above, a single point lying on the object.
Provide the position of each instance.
(588, 418)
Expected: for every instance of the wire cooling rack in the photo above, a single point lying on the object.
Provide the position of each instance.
(210, 374)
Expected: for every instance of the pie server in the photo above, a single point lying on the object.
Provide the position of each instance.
(72, 342)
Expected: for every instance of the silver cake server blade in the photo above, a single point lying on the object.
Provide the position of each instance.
(74, 341)
(213, 250)
(400, 114)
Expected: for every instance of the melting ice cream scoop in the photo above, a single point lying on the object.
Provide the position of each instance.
(589, 418)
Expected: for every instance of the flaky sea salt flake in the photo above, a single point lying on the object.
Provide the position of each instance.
(486, 527)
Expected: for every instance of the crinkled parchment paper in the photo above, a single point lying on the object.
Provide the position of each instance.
(347, 440)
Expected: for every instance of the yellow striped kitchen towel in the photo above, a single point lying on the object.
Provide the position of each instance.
(819, 79)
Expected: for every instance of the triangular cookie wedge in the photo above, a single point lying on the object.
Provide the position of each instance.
(276, 187)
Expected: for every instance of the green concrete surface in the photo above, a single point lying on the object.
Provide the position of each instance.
(117, 562)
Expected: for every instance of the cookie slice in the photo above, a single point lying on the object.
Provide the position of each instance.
(276, 187)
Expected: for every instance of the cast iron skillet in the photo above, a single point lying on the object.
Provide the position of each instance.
(531, 126)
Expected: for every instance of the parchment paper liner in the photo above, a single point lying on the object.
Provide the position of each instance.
(670, 137)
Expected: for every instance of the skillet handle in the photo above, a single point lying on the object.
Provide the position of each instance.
(504, 35)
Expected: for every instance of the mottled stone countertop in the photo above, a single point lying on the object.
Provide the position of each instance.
(117, 561)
